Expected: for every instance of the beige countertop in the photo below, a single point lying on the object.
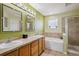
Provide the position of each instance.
(18, 43)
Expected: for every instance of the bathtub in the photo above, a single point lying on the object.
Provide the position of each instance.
(54, 44)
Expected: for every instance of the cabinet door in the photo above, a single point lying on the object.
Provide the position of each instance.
(40, 46)
(24, 50)
(12, 53)
(43, 43)
(34, 48)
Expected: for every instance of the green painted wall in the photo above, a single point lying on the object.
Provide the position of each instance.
(13, 35)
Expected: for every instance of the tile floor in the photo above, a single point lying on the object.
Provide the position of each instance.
(49, 52)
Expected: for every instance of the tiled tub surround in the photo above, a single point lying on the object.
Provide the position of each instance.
(18, 43)
(56, 35)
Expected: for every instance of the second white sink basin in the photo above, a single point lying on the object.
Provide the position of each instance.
(17, 42)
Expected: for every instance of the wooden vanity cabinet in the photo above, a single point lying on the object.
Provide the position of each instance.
(34, 48)
(11, 53)
(24, 50)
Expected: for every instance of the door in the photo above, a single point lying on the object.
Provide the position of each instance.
(40, 46)
(34, 48)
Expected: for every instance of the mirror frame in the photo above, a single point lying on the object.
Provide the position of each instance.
(20, 21)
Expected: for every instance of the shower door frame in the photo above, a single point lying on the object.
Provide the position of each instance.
(66, 33)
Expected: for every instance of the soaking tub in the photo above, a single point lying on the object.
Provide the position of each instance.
(54, 44)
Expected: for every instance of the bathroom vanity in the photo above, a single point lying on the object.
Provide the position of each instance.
(31, 46)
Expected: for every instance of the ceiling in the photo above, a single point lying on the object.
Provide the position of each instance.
(54, 8)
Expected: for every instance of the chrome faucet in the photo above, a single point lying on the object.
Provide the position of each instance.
(8, 41)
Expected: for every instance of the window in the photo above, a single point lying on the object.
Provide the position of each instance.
(53, 24)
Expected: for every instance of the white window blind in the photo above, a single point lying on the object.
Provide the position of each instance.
(53, 23)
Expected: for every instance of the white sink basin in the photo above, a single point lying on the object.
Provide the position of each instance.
(9, 45)
(5, 45)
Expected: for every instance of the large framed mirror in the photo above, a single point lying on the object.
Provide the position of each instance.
(30, 23)
(11, 19)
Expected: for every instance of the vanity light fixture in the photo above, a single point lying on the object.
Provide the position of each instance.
(25, 8)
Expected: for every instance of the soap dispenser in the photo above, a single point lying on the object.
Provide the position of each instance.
(24, 36)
